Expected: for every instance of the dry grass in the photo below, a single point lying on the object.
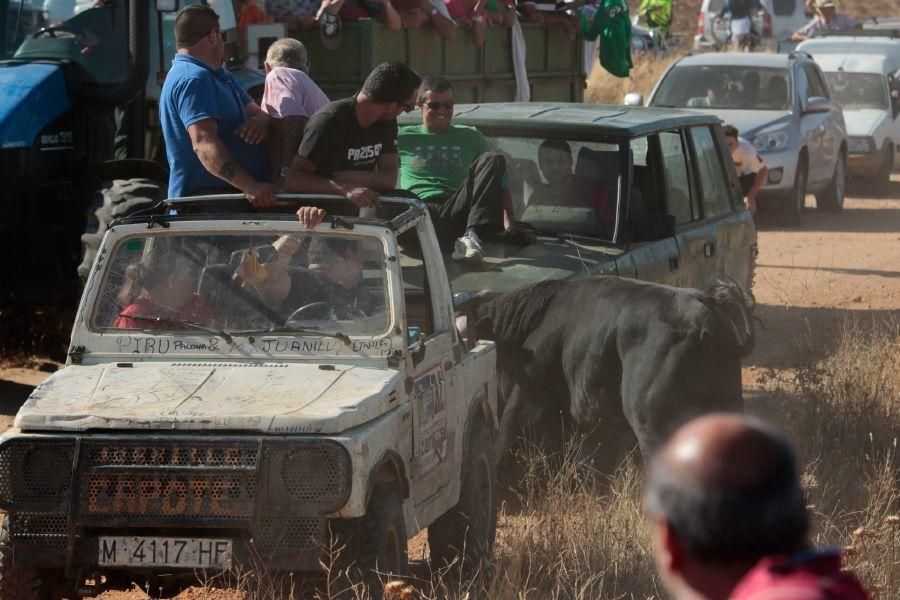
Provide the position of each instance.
(604, 88)
(576, 535)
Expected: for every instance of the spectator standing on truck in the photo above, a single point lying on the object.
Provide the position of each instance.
(291, 97)
(728, 517)
(211, 126)
(349, 147)
(296, 14)
(552, 12)
(751, 168)
(827, 19)
(451, 168)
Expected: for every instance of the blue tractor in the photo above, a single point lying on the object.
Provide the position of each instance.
(80, 142)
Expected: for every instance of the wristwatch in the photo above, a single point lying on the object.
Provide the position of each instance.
(284, 171)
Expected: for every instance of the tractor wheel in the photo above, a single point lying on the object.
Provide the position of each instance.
(115, 199)
(16, 583)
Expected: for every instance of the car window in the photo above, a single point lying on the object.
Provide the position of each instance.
(724, 87)
(858, 90)
(713, 182)
(563, 186)
(784, 8)
(677, 182)
(815, 84)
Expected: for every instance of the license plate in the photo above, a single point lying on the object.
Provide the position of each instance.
(192, 553)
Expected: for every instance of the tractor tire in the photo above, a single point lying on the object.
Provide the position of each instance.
(15, 583)
(115, 199)
(465, 534)
(374, 545)
(791, 206)
(831, 199)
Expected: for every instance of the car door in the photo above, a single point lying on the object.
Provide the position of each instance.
(726, 233)
(647, 257)
(834, 132)
(433, 380)
(696, 242)
(812, 129)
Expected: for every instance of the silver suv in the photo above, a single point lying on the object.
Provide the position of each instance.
(783, 106)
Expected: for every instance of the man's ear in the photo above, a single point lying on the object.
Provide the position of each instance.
(671, 552)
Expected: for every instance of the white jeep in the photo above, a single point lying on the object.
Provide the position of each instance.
(241, 391)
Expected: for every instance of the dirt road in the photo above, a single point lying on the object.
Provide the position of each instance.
(809, 282)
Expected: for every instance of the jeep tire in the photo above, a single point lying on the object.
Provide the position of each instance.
(831, 199)
(466, 532)
(115, 199)
(883, 177)
(16, 583)
(374, 544)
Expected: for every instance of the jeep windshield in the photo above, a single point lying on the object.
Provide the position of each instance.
(563, 186)
(301, 284)
(858, 90)
(95, 38)
(727, 87)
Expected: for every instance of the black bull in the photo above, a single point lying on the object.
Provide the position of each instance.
(601, 349)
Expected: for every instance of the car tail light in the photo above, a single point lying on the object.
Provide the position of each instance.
(700, 24)
(767, 25)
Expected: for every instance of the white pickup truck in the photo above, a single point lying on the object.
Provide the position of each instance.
(241, 391)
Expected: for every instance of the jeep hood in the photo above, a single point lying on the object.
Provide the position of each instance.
(267, 398)
(864, 122)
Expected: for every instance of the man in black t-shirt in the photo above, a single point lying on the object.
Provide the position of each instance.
(349, 146)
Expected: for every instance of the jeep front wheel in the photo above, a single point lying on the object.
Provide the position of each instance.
(16, 583)
(468, 529)
(374, 544)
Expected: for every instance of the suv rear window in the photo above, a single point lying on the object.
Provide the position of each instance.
(784, 8)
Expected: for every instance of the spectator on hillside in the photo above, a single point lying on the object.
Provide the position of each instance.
(728, 517)
(291, 97)
(741, 12)
(751, 168)
(296, 14)
(212, 128)
(451, 168)
(827, 18)
(349, 146)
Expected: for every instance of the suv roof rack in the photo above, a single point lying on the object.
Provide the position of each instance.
(399, 210)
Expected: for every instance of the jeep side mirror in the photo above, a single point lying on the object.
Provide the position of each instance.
(634, 99)
(817, 104)
(649, 228)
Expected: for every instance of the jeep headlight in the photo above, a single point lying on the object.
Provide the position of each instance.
(860, 145)
(769, 142)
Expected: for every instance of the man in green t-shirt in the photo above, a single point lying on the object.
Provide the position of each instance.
(451, 168)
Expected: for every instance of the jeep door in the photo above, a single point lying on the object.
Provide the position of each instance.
(728, 228)
(651, 254)
(695, 239)
(433, 382)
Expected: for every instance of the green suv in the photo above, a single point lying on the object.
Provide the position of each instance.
(613, 190)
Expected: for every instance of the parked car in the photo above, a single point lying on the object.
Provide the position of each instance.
(612, 190)
(779, 20)
(861, 75)
(202, 425)
(780, 103)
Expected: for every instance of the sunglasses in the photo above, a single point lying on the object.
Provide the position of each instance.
(407, 107)
(437, 105)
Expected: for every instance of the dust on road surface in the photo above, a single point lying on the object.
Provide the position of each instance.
(809, 281)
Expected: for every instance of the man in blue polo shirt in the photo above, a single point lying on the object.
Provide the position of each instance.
(211, 125)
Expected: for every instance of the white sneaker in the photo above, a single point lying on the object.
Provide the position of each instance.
(468, 249)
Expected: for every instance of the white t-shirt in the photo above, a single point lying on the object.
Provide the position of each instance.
(290, 92)
(746, 158)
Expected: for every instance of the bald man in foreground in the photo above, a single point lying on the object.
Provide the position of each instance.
(728, 517)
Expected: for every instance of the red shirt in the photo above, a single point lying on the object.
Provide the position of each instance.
(810, 576)
(195, 310)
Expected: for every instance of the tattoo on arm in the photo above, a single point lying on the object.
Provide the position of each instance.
(229, 170)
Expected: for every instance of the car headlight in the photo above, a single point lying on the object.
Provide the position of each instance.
(769, 142)
(860, 145)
